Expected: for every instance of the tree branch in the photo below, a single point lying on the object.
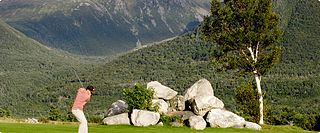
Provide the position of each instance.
(257, 50)
(245, 55)
(252, 55)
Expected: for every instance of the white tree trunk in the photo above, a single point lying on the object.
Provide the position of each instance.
(254, 56)
(258, 81)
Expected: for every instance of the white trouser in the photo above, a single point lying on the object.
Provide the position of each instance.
(83, 127)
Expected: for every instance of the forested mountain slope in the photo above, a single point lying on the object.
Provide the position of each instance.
(30, 73)
(297, 77)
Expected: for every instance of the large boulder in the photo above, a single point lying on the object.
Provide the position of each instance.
(144, 118)
(117, 107)
(201, 105)
(200, 88)
(177, 103)
(224, 119)
(163, 106)
(197, 123)
(200, 99)
(161, 91)
(121, 119)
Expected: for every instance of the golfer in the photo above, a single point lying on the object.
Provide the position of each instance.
(82, 97)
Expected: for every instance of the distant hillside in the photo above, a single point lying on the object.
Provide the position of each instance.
(30, 73)
(102, 27)
(297, 77)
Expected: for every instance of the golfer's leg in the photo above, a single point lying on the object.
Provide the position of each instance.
(83, 127)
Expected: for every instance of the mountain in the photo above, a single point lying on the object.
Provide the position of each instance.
(102, 27)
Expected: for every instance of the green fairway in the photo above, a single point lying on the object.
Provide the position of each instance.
(72, 128)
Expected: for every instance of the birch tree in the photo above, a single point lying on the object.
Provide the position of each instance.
(246, 33)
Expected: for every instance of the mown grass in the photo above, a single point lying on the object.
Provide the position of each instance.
(94, 128)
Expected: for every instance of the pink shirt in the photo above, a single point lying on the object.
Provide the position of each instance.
(82, 97)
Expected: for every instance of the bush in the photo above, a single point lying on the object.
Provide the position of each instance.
(139, 97)
(4, 112)
(288, 116)
(43, 120)
(95, 119)
(54, 113)
(248, 101)
(70, 117)
(167, 120)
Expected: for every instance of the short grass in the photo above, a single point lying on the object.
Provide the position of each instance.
(94, 128)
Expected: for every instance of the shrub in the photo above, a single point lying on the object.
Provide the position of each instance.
(248, 101)
(288, 116)
(43, 120)
(139, 97)
(70, 117)
(54, 113)
(95, 119)
(167, 120)
(4, 112)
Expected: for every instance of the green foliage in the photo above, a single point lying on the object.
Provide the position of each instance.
(69, 117)
(95, 119)
(246, 32)
(43, 120)
(139, 97)
(288, 116)
(54, 113)
(248, 101)
(167, 120)
(4, 112)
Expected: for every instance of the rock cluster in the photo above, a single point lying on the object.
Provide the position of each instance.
(198, 107)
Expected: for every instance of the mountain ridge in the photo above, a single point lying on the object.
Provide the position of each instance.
(97, 27)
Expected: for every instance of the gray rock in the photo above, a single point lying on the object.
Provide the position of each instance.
(197, 123)
(200, 99)
(224, 119)
(251, 125)
(163, 106)
(160, 124)
(177, 103)
(201, 105)
(161, 91)
(117, 107)
(144, 118)
(120, 119)
(200, 88)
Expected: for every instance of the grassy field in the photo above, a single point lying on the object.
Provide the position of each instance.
(94, 128)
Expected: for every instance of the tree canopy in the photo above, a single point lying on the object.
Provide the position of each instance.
(246, 33)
